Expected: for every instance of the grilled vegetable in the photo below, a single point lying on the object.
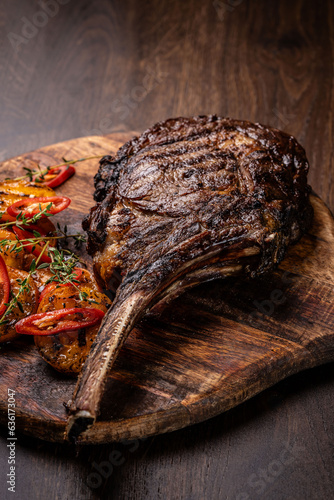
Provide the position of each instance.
(67, 351)
(36, 249)
(29, 244)
(52, 322)
(81, 276)
(33, 206)
(26, 305)
(12, 191)
(55, 176)
(23, 188)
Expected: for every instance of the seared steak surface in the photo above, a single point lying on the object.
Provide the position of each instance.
(189, 200)
(189, 184)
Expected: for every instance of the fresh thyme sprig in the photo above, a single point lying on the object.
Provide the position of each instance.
(24, 287)
(78, 238)
(17, 245)
(41, 173)
(63, 269)
(63, 266)
(62, 263)
(22, 220)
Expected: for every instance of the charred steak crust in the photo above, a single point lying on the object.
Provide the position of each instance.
(189, 184)
(190, 200)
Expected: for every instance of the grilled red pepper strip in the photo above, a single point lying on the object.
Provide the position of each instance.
(5, 282)
(32, 206)
(54, 285)
(59, 174)
(52, 322)
(34, 248)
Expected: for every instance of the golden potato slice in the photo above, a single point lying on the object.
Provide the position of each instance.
(41, 276)
(67, 351)
(86, 278)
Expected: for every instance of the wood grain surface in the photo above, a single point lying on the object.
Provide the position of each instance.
(205, 353)
(104, 66)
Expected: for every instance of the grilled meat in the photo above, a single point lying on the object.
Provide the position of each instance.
(190, 200)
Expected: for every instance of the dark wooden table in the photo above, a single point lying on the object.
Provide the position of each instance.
(96, 66)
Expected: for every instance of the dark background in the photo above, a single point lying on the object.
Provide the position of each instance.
(95, 67)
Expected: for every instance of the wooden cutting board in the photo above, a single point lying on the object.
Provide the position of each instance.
(216, 346)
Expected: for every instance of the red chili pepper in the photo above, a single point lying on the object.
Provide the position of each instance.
(5, 282)
(32, 206)
(54, 285)
(52, 322)
(34, 248)
(59, 174)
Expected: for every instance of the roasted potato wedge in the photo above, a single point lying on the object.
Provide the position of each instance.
(67, 351)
